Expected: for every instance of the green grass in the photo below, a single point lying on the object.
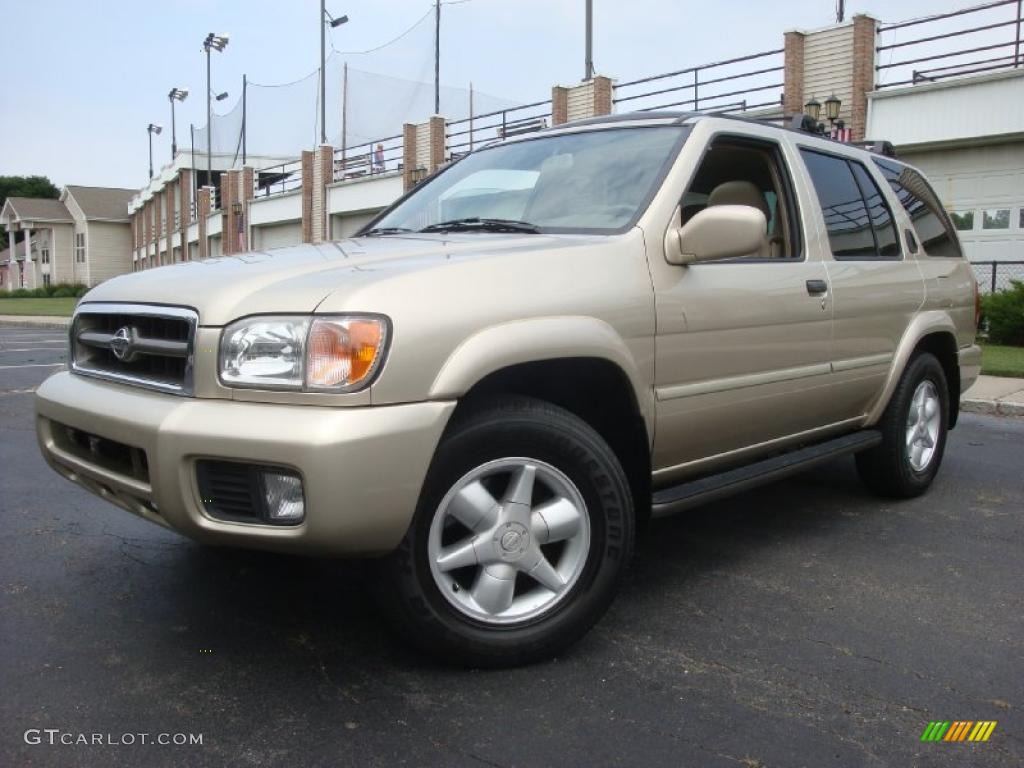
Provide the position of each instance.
(62, 307)
(998, 360)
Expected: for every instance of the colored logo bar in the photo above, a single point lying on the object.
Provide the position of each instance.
(959, 730)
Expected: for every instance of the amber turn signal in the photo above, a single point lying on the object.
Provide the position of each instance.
(342, 352)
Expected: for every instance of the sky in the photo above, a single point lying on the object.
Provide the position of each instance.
(84, 79)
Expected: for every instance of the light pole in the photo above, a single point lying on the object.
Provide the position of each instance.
(437, 57)
(589, 63)
(153, 128)
(212, 42)
(325, 19)
(175, 94)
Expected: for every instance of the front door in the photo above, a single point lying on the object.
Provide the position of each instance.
(742, 348)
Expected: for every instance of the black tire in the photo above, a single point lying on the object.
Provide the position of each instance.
(886, 469)
(495, 429)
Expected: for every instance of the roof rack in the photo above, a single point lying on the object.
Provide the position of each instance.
(878, 147)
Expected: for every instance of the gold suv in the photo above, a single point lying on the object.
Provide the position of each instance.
(538, 348)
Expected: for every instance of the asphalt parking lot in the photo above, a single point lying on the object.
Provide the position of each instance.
(804, 624)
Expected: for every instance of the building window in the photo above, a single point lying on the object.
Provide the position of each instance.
(996, 218)
(962, 220)
(44, 256)
(1020, 223)
(80, 247)
(46, 280)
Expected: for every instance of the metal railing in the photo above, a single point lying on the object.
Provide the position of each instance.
(990, 43)
(469, 133)
(721, 86)
(277, 179)
(361, 160)
(995, 276)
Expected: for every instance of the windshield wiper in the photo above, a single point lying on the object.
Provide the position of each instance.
(475, 223)
(377, 231)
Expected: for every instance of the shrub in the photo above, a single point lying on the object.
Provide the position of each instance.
(1004, 314)
(52, 291)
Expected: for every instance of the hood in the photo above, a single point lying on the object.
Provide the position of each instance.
(297, 279)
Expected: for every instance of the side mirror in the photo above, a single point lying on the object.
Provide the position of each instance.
(718, 232)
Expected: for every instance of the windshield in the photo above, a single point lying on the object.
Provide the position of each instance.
(596, 181)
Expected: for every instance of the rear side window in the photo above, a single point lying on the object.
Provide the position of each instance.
(857, 218)
(878, 210)
(934, 229)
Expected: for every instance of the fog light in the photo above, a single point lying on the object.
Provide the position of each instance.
(283, 495)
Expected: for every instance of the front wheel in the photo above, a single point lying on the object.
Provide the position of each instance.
(519, 541)
(914, 428)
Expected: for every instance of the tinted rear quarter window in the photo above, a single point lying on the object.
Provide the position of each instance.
(934, 229)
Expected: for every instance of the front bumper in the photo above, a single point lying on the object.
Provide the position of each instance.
(362, 467)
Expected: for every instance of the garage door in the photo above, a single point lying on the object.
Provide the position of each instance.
(277, 235)
(983, 189)
(343, 226)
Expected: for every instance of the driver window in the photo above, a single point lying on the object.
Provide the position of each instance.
(748, 172)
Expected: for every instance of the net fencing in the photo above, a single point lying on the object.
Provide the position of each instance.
(377, 90)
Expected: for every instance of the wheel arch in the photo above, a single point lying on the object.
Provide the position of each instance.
(596, 390)
(932, 332)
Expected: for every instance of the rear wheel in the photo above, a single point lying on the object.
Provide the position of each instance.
(519, 541)
(914, 428)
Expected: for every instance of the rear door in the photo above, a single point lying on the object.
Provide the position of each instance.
(875, 290)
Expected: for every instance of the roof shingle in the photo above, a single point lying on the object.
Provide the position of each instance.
(39, 209)
(102, 202)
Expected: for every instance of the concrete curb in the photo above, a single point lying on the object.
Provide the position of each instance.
(991, 407)
(38, 321)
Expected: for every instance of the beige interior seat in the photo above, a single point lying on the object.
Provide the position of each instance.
(743, 193)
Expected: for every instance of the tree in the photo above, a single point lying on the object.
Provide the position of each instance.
(24, 186)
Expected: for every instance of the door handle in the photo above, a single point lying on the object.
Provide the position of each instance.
(817, 287)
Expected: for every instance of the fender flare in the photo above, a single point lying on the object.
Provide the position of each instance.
(924, 324)
(535, 340)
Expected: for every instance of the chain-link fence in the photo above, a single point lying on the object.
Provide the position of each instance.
(995, 276)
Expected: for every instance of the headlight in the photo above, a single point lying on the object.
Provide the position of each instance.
(331, 353)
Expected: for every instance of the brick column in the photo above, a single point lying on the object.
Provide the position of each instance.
(408, 155)
(229, 228)
(245, 194)
(323, 174)
(602, 95)
(307, 196)
(184, 208)
(143, 234)
(437, 143)
(202, 212)
(864, 31)
(151, 232)
(793, 76)
(559, 105)
(169, 195)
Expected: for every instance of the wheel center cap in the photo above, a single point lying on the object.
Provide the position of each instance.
(511, 540)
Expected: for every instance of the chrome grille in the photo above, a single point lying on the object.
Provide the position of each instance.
(138, 344)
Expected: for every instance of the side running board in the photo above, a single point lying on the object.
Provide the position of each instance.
(668, 501)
